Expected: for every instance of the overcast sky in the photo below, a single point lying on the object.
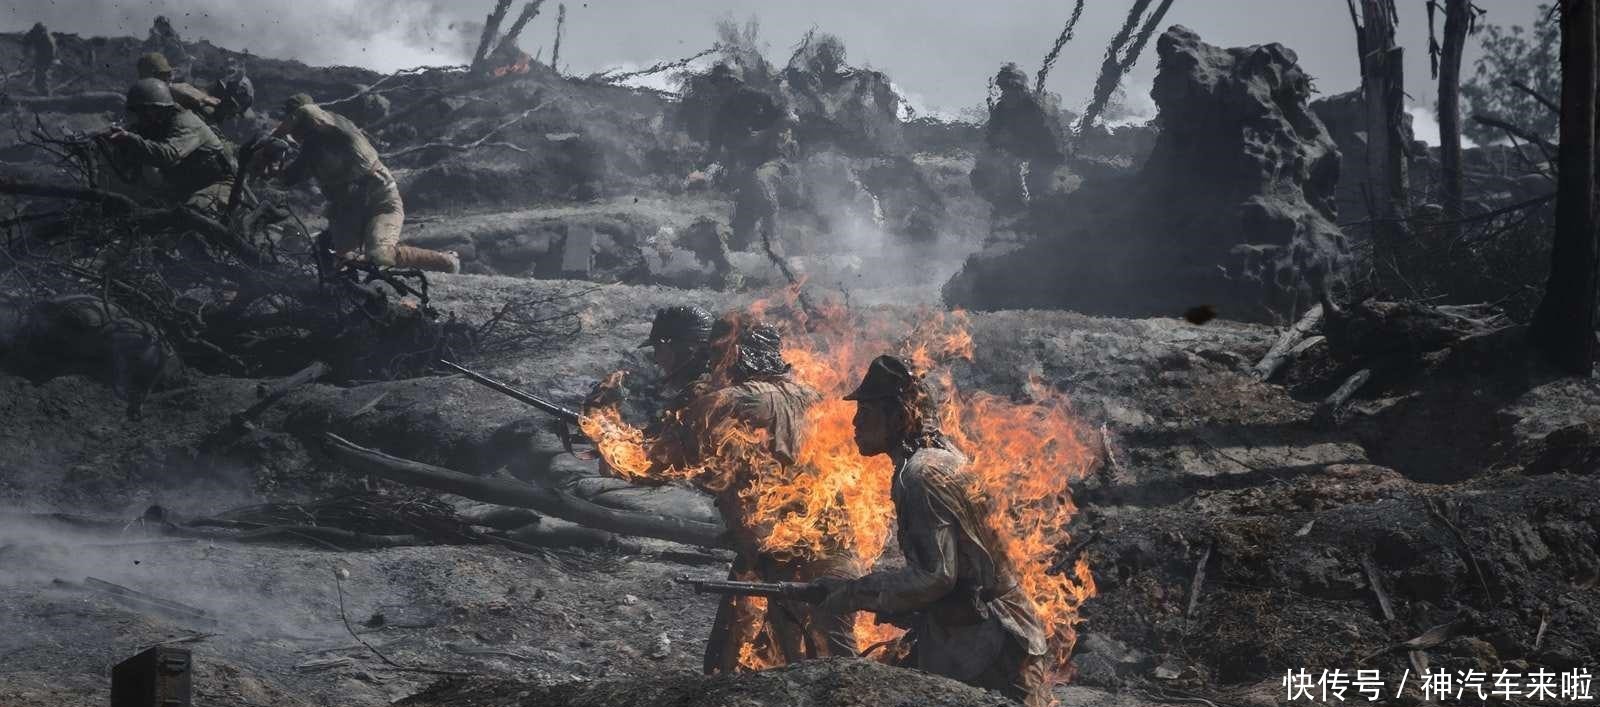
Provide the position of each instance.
(940, 53)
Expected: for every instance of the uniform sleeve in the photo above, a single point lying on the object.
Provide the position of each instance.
(931, 566)
(181, 140)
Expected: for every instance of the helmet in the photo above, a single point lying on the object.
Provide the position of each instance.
(294, 102)
(154, 65)
(1011, 75)
(149, 92)
(689, 324)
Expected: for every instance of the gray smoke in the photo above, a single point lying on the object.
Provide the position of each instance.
(382, 36)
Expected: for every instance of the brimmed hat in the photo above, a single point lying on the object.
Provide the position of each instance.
(887, 377)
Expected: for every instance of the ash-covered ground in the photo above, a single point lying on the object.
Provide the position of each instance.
(1236, 528)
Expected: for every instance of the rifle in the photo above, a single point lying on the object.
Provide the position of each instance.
(563, 414)
(793, 591)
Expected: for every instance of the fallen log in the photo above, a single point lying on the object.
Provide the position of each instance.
(1330, 408)
(553, 502)
(270, 392)
(1283, 350)
(307, 375)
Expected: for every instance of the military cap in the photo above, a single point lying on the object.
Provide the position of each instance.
(680, 323)
(149, 92)
(154, 65)
(887, 377)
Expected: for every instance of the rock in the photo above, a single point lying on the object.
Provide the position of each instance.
(1169, 669)
(662, 648)
(1234, 206)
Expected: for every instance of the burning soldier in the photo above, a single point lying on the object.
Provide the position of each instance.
(958, 592)
(738, 423)
(364, 208)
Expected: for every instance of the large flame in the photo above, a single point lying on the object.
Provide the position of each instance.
(1023, 457)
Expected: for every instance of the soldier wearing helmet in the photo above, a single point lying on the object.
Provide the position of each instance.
(1024, 144)
(154, 65)
(364, 209)
(738, 424)
(193, 162)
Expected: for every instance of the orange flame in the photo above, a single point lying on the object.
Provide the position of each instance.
(1023, 457)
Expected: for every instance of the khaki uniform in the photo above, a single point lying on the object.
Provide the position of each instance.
(772, 412)
(364, 209)
(193, 162)
(192, 98)
(968, 616)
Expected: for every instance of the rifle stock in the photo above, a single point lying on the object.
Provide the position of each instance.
(561, 413)
(792, 591)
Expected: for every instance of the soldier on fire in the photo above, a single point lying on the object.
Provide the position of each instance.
(958, 593)
(194, 164)
(740, 417)
(364, 209)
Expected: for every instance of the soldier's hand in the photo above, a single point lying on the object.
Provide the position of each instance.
(839, 599)
(116, 134)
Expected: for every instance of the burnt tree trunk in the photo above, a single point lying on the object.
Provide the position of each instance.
(509, 42)
(1383, 92)
(1563, 326)
(491, 29)
(1457, 20)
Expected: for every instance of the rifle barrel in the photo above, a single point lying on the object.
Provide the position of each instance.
(561, 413)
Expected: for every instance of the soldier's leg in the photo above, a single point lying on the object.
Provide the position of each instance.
(722, 648)
(385, 217)
(1017, 675)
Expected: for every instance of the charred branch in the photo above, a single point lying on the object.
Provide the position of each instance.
(554, 502)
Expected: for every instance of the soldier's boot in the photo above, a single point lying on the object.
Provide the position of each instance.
(430, 260)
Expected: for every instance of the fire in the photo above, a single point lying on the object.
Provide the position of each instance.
(520, 66)
(1023, 457)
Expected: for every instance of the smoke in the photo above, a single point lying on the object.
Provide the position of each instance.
(380, 36)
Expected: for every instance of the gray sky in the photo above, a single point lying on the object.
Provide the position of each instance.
(939, 52)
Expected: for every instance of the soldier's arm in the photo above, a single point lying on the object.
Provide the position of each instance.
(931, 532)
(180, 141)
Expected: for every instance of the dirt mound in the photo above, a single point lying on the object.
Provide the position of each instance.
(824, 683)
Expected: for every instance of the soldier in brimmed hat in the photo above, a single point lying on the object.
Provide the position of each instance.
(958, 593)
